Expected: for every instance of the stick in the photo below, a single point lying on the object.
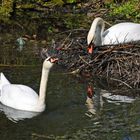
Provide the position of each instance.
(121, 82)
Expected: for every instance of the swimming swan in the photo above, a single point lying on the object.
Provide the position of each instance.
(117, 34)
(22, 97)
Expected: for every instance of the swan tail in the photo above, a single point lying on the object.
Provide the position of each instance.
(3, 80)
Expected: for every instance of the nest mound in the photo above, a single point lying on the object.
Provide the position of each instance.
(120, 63)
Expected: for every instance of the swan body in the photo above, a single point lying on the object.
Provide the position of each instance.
(22, 97)
(117, 34)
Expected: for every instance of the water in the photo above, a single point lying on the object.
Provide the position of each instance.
(66, 115)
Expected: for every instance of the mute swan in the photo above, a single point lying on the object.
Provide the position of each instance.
(117, 34)
(22, 97)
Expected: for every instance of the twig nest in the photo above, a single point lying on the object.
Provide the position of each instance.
(120, 63)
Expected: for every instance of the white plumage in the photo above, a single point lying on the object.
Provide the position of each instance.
(23, 97)
(118, 34)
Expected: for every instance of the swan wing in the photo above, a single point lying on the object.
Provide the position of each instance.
(122, 33)
(18, 96)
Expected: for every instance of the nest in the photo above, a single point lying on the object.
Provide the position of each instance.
(120, 63)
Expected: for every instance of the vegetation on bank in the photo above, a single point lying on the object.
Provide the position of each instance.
(128, 9)
(54, 16)
(9, 7)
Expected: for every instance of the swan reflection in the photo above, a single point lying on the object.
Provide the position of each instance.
(16, 115)
(95, 100)
(115, 98)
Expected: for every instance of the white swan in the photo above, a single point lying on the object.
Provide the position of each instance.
(22, 97)
(117, 34)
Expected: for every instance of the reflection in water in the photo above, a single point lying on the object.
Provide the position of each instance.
(116, 98)
(65, 113)
(17, 115)
(95, 100)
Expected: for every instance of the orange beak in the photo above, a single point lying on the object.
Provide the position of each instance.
(90, 49)
(53, 60)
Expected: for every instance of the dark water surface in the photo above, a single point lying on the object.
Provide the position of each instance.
(65, 115)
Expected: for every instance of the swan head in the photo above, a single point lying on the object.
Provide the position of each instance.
(90, 37)
(95, 33)
(48, 62)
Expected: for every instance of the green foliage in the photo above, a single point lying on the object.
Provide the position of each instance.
(129, 10)
(51, 3)
(6, 8)
(73, 21)
(71, 1)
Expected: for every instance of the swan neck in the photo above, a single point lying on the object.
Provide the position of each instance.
(98, 29)
(43, 85)
(102, 30)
